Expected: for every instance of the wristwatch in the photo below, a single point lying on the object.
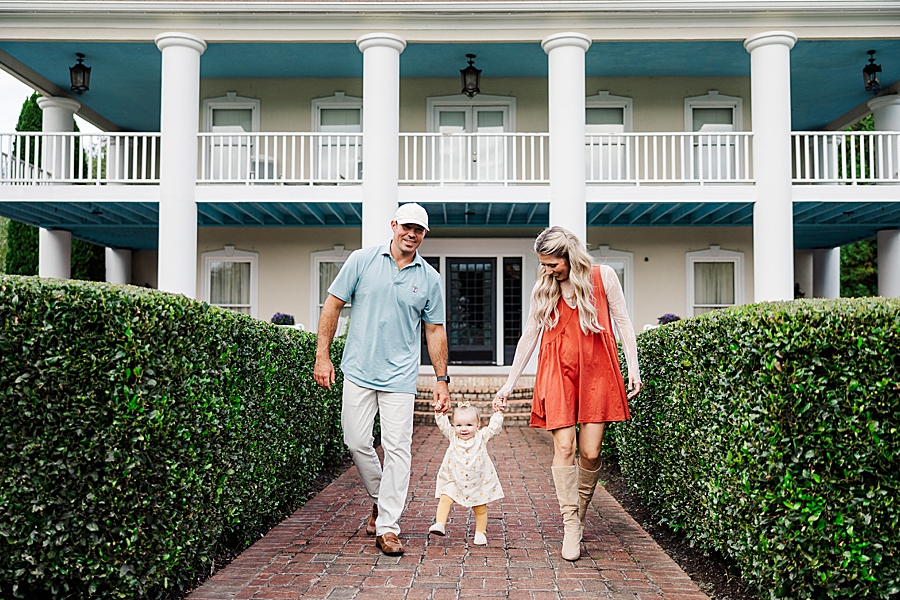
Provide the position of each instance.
(444, 378)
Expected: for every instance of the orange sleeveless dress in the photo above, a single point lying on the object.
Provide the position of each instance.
(578, 376)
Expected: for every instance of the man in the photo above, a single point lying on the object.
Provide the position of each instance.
(392, 291)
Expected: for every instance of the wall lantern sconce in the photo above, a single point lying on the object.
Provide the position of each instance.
(870, 74)
(80, 76)
(471, 78)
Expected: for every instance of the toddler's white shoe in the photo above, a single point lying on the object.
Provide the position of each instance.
(480, 539)
(437, 529)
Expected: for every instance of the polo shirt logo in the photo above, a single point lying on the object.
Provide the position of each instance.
(415, 290)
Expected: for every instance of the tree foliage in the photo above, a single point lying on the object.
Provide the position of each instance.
(859, 269)
(21, 249)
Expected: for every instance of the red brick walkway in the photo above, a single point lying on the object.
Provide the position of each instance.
(322, 551)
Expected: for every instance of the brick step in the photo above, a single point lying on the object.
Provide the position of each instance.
(480, 391)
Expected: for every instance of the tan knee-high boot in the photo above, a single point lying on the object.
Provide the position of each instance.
(566, 481)
(587, 483)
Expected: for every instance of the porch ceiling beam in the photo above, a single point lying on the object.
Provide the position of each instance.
(14, 211)
(533, 210)
(644, 209)
(355, 212)
(684, 212)
(728, 210)
(315, 212)
(444, 209)
(248, 211)
(487, 216)
(140, 210)
(512, 209)
(863, 211)
(124, 219)
(704, 211)
(618, 211)
(229, 210)
(664, 210)
(263, 208)
(64, 208)
(339, 216)
(596, 213)
(807, 207)
(292, 210)
(208, 210)
(820, 212)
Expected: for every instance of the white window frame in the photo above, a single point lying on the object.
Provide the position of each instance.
(604, 252)
(338, 255)
(230, 254)
(605, 159)
(714, 100)
(604, 99)
(230, 101)
(714, 254)
(339, 100)
(462, 101)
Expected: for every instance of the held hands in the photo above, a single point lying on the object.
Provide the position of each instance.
(441, 402)
(500, 399)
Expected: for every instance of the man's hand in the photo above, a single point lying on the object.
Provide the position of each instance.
(324, 372)
(441, 397)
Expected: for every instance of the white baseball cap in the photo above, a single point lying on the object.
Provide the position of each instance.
(412, 213)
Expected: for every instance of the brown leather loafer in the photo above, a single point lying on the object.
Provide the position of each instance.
(370, 522)
(390, 544)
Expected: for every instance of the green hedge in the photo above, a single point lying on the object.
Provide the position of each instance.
(142, 433)
(770, 433)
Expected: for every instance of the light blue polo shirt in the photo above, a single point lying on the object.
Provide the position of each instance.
(388, 306)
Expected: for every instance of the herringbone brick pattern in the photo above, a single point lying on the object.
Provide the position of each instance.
(322, 551)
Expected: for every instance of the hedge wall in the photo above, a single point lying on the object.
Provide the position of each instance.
(141, 433)
(770, 433)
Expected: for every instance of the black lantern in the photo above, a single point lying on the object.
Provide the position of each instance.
(471, 77)
(870, 74)
(80, 76)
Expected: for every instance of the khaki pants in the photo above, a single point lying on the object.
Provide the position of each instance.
(388, 486)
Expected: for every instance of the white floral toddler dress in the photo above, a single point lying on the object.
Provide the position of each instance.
(467, 474)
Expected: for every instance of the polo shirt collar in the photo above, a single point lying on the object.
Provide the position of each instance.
(386, 250)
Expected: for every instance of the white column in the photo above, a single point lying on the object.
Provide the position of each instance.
(54, 253)
(827, 273)
(118, 265)
(565, 63)
(886, 110)
(381, 134)
(55, 246)
(889, 263)
(773, 220)
(179, 117)
(803, 271)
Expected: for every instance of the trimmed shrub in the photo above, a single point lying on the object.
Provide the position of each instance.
(21, 248)
(141, 433)
(769, 433)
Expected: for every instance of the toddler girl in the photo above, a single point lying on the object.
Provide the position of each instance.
(467, 475)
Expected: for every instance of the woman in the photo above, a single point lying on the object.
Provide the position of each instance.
(578, 381)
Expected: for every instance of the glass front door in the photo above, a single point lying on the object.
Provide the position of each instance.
(471, 310)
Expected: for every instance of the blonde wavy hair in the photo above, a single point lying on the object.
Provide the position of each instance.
(561, 243)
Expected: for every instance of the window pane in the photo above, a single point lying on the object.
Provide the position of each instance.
(241, 117)
(713, 283)
(451, 121)
(490, 121)
(327, 272)
(512, 307)
(716, 117)
(605, 116)
(339, 116)
(229, 283)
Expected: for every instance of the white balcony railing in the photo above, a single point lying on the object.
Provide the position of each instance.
(467, 158)
(292, 158)
(846, 157)
(79, 158)
(637, 158)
